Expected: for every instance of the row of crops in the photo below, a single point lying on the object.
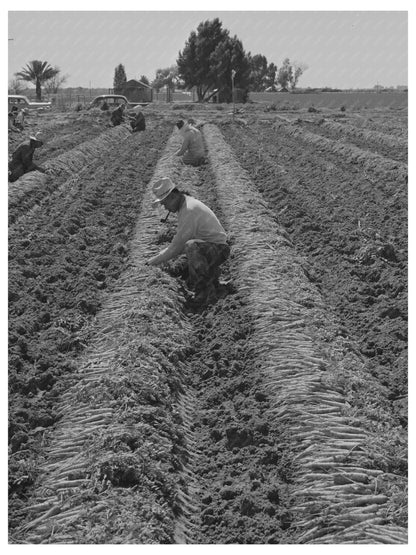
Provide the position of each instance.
(244, 422)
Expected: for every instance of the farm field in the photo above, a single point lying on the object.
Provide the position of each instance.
(278, 414)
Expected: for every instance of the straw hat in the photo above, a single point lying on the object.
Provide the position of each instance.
(162, 188)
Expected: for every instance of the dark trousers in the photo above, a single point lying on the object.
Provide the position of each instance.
(16, 170)
(204, 260)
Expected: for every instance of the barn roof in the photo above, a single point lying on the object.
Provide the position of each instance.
(136, 82)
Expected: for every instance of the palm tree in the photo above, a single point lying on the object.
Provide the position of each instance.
(37, 72)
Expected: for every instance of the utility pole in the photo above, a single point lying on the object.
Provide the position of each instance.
(233, 72)
(10, 41)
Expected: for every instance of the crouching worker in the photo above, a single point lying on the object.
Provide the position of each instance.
(192, 149)
(138, 123)
(117, 115)
(22, 159)
(199, 235)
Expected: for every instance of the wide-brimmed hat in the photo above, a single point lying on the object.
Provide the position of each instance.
(36, 137)
(162, 188)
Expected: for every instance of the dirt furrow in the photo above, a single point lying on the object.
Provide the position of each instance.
(251, 420)
(282, 286)
(124, 458)
(32, 187)
(370, 162)
(394, 123)
(355, 248)
(63, 258)
(373, 141)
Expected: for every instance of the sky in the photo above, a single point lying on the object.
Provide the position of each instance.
(342, 49)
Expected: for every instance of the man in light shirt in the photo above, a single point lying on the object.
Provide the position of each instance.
(192, 149)
(199, 235)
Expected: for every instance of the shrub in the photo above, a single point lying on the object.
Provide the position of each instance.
(270, 108)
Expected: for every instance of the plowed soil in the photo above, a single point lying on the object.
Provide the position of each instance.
(221, 451)
(349, 226)
(64, 255)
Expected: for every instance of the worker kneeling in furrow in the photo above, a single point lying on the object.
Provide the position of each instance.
(117, 115)
(199, 235)
(192, 149)
(137, 122)
(22, 159)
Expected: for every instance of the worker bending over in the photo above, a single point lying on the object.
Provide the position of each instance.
(192, 149)
(138, 123)
(117, 115)
(22, 159)
(199, 235)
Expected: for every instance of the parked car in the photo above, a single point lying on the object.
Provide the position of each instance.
(112, 100)
(22, 101)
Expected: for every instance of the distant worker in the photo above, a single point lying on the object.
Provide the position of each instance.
(22, 159)
(117, 116)
(138, 123)
(12, 119)
(199, 235)
(20, 119)
(192, 149)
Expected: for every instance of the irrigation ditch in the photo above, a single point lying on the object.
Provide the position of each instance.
(247, 421)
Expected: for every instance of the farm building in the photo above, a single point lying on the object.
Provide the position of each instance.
(136, 91)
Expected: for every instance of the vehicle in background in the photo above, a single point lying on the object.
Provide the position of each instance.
(112, 101)
(22, 101)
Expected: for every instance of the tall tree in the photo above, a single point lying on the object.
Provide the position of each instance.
(120, 79)
(53, 85)
(270, 77)
(209, 56)
(298, 68)
(37, 72)
(230, 56)
(258, 72)
(16, 87)
(285, 75)
(143, 79)
(188, 63)
(166, 77)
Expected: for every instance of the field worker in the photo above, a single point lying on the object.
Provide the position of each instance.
(12, 119)
(192, 149)
(22, 158)
(199, 235)
(138, 123)
(117, 116)
(20, 119)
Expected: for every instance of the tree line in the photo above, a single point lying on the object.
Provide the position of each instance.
(211, 60)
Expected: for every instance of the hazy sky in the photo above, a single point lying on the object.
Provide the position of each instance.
(341, 48)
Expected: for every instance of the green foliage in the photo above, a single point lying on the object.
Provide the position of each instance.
(290, 73)
(16, 87)
(270, 108)
(37, 72)
(285, 75)
(208, 58)
(258, 72)
(53, 85)
(167, 77)
(144, 79)
(120, 79)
